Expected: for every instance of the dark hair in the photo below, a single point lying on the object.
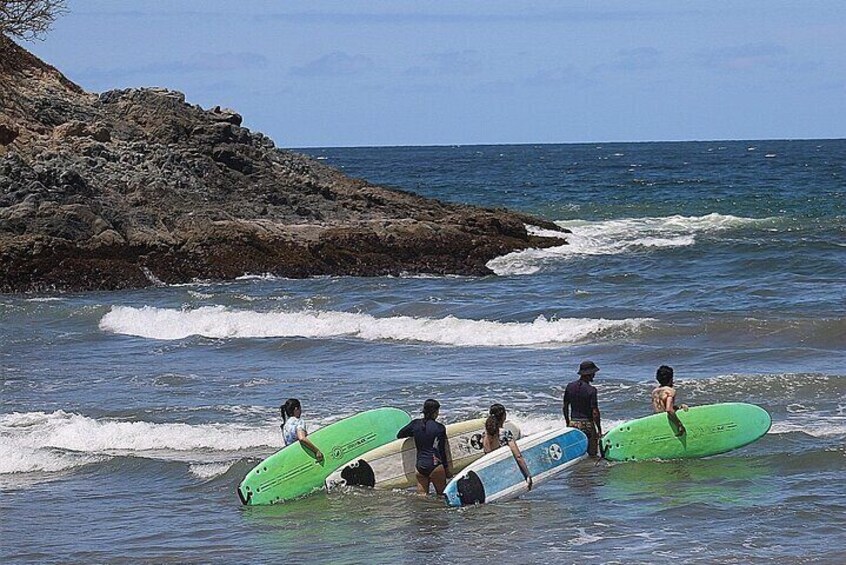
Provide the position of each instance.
(495, 420)
(288, 408)
(664, 375)
(430, 408)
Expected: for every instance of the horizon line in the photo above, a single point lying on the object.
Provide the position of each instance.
(525, 143)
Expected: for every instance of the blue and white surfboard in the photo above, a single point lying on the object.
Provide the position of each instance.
(497, 477)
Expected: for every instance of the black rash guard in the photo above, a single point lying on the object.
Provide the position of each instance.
(430, 440)
(581, 396)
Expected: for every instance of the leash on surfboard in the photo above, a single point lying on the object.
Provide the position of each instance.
(601, 452)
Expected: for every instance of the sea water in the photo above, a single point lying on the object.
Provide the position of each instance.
(128, 418)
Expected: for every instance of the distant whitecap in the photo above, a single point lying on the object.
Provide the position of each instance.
(613, 237)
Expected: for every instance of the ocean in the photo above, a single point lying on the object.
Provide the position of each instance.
(128, 418)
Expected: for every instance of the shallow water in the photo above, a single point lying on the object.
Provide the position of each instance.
(128, 418)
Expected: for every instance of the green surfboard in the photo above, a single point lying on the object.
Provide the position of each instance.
(293, 471)
(711, 429)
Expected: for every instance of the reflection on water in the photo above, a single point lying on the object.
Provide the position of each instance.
(725, 480)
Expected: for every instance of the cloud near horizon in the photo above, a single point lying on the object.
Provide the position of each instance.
(746, 57)
(337, 63)
(196, 63)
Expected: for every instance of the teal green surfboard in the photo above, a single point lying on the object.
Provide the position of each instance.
(293, 471)
(711, 429)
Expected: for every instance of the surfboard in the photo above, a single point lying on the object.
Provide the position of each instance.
(394, 465)
(711, 429)
(496, 476)
(293, 471)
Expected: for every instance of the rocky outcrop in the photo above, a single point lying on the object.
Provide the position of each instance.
(137, 186)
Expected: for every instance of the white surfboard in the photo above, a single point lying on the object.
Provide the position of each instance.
(497, 477)
(393, 465)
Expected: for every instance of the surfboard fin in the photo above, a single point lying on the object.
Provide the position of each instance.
(471, 490)
(359, 474)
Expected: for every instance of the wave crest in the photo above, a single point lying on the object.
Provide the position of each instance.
(221, 322)
(57, 441)
(612, 237)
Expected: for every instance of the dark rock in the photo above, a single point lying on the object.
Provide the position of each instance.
(226, 115)
(134, 186)
(70, 129)
(101, 134)
(8, 134)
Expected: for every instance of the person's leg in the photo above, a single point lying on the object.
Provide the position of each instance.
(422, 483)
(438, 478)
(593, 440)
(589, 429)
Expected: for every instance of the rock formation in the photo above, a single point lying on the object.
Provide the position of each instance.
(131, 187)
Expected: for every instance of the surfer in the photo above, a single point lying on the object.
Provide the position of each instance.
(664, 396)
(294, 427)
(430, 440)
(497, 436)
(580, 407)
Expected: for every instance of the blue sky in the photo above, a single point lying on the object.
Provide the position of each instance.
(340, 73)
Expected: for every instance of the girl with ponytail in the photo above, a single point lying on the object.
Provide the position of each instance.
(294, 427)
(495, 437)
(431, 442)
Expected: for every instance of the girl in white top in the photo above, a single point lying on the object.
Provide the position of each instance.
(294, 427)
(497, 436)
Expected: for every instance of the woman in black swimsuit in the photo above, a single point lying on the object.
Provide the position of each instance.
(431, 442)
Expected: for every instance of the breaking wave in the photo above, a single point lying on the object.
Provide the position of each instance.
(612, 237)
(222, 322)
(50, 442)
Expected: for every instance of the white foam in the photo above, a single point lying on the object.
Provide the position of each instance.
(200, 295)
(16, 457)
(543, 232)
(156, 281)
(258, 277)
(612, 237)
(821, 426)
(221, 322)
(535, 423)
(56, 441)
(584, 538)
(208, 471)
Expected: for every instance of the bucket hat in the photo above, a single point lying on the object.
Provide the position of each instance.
(588, 368)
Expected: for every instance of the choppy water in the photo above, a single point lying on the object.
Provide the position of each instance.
(128, 418)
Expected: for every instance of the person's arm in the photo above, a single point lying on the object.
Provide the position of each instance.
(671, 414)
(518, 456)
(405, 431)
(444, 452)
(597, 418)
(565, 407)
(302, 435)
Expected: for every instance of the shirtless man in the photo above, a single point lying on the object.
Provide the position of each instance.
(663, 397)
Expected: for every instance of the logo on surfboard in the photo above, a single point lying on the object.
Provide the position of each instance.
(555, 452)
(339, 451)
(476, 442)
